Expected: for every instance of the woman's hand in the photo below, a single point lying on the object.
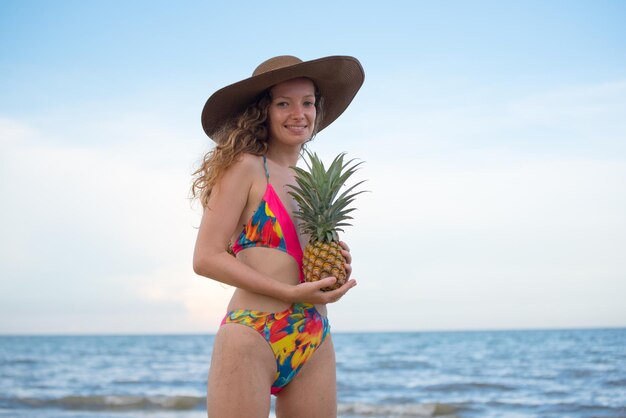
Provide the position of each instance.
(346, 254)
(311, 292)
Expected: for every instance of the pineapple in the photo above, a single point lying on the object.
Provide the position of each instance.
(323, 211)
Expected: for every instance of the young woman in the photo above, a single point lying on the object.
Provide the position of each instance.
(275, 338)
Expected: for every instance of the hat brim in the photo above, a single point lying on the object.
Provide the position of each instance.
(338, 79)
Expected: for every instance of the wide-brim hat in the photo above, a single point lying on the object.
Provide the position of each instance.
(337, 78)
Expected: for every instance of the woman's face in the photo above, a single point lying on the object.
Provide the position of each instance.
(292, 111)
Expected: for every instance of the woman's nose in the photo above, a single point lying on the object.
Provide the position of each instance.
(297, 111)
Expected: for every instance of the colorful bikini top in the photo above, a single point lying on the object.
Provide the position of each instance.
(271, 226)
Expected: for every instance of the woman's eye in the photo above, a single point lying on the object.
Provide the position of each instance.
(281, 104)
(309, 104)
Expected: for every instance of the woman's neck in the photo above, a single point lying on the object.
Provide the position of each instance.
(283, 155)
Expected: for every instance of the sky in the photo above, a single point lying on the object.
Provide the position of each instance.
(493, 135)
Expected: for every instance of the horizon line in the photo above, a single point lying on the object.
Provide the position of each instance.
(209, 334)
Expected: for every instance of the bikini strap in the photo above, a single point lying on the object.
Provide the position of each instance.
(267, 173)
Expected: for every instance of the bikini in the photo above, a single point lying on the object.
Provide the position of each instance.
(294, 334)
(271, 226)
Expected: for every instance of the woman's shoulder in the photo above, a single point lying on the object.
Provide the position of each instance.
(246, 166)
(249, 161)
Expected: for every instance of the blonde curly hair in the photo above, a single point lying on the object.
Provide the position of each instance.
(246, 133)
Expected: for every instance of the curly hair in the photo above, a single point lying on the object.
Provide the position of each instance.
(246, 133)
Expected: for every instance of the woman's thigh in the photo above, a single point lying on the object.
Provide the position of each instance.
(313, 392)
(241, 375)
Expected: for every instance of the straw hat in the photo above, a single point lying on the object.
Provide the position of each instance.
(338, 79)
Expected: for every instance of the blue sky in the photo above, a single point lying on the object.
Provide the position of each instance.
(493, 135)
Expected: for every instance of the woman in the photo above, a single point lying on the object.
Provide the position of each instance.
(284, 347)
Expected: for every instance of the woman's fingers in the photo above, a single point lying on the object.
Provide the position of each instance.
(345, 252)
(326, 282)
(334, 295)
(348, 268)
(311, 292)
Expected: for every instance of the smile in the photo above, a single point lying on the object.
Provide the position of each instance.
(296, 128)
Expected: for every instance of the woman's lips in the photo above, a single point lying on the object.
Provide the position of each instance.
(296, 128)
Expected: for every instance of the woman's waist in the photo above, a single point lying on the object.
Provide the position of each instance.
(271, 262)
(250, 301)
(243, 299)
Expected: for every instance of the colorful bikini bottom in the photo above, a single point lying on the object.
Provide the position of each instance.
(293, 336)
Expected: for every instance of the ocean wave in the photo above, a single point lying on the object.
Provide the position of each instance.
(134, 403)
(112, 402)
(402, 364)
(619, 383)
(392, 411)
(13, 362)
(468, 387)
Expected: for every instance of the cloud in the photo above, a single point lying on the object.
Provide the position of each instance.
(493, 240)
(478, 217)
(458, 116)
(507, 212)
(99, 231)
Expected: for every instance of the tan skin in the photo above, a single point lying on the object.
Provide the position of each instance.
(243, 365)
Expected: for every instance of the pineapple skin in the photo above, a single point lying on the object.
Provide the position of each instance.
(324, 259)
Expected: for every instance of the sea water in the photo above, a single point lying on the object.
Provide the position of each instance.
(547, 373)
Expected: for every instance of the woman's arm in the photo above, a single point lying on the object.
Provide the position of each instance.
(220, 218)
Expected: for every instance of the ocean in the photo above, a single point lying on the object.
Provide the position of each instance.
(546, 373)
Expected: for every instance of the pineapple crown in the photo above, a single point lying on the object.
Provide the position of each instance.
(323, 211)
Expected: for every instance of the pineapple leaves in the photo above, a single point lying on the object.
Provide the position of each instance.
(323, 209)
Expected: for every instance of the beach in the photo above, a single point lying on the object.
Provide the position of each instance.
(547, 373)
